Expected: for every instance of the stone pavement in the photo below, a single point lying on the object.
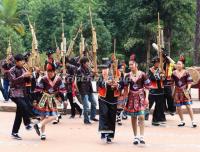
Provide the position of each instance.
(71, 135)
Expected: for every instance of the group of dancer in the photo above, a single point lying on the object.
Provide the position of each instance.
(137, 91)
(120, 93)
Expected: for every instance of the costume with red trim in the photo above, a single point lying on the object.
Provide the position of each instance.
(109, 91)
(156, 93)
(135, 85)
(181, 96)
(51, 89)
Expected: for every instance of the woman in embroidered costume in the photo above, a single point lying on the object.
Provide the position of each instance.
(134, 85)
(51, 89)
(182, 81)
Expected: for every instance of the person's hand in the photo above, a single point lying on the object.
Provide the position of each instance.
(27, 74)
(162, 74)
(114, 84)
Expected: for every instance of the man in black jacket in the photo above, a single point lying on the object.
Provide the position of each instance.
(84, 84)
(17, 77)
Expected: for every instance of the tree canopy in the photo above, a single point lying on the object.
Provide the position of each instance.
(132, 23)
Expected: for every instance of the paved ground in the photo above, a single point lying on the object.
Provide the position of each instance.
(72, 136)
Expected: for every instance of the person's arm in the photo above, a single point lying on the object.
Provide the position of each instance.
(78, 79)
(189, 81)
(14, 79)
(189, 87)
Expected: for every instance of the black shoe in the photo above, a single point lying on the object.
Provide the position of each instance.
(43, 137)
(56, 121)
(136, 141)
(194, 125)
(181, 124)
(142, 141)
(119, 123)
(94, 119)
(16, 136)
(87, 123)
(124, 117)
(59, 116)
(108, 140)
(6, 100)
(28, 127)
(37, 129)
(71, 117)
(118, 120)
(172, 113)
(155, 123)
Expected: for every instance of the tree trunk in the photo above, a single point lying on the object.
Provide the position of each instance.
(148, 52)
(197, 35)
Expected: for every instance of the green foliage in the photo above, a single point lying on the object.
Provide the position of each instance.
(9, 15)
(16, 41)
(131, 23)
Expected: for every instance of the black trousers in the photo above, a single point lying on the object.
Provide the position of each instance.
(22, 112)
(170, 105)
(2, 90)
(107, 118)
(158, 114)
(74, 106)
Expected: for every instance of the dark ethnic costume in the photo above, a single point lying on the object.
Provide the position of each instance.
(51, 88)
(137, 103)
(181, 96)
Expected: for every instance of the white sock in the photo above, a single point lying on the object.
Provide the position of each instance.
(42, 134)
(39, 125)
(193, 122)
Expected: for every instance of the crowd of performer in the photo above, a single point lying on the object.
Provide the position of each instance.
(122, 91)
